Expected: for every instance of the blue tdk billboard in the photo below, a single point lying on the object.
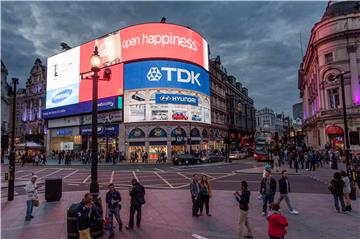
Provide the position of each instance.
(166, 74)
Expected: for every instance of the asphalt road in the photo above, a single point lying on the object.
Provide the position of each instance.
(223, 176)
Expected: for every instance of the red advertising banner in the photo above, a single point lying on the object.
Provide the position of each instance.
(159, 40)
(109, 50)
(111, 83)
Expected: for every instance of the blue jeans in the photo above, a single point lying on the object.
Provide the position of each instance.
(29, 208)
(267, 199)
(114, 212)
(338, 198)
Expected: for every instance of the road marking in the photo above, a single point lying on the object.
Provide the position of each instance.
(112, 177)
(86, 178)
(160, 170)
(184, 176)
(176, 168)
(225, 176)
(171, 186)
(28, 175)
(71, 174)
(73, 184)
(236, 181)
(51, 173)
(135, 176)
(198, 236)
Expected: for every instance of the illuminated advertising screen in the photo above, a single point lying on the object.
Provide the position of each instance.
(69, 75)
(166, 91)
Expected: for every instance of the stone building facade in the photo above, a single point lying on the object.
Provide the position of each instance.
(333, 48)
(5, 109)
(30, 101)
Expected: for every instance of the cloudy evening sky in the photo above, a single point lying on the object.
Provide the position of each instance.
(258, 41)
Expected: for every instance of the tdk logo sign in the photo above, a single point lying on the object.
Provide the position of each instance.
(174, 74)
(62, 95)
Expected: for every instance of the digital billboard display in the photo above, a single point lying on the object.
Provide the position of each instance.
(166, 91)
(130, 53)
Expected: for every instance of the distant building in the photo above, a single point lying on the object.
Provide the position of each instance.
(5, 105)
(29, 125)
(333, 48)
(297, 110)
(265, 120)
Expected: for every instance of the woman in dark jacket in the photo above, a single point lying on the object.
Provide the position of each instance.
(336, 188)
(205, 194)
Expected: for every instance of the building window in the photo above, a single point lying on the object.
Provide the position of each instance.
(329, 58)
(333, 95)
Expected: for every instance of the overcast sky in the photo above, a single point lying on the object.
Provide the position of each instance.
(258, 41)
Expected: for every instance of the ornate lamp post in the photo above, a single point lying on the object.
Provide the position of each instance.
(95, 63)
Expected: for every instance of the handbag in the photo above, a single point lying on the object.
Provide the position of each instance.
(36, 203)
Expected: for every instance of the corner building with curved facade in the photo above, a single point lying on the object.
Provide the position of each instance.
(333, 48)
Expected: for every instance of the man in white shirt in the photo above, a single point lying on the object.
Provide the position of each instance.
(32, 195)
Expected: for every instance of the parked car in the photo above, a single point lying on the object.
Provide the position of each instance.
(179, 116)
(238, 154)
(185, 159)
(210, 158)
(196, 118)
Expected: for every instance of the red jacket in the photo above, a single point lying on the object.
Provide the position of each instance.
(277, 225)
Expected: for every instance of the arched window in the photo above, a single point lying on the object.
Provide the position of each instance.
(157, 133)
(204, 133)
(195, 132)
(178, 132)
(136, 133)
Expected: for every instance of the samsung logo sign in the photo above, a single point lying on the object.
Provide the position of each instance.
(176, 99)
(173, 74)
(62, 95)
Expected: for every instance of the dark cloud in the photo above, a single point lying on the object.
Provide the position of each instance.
(258, 41)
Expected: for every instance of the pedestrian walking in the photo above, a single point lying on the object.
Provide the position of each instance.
(137, 194)
(23, 160)
(296, 162)
(205, 194)
(284, 190)
(195, 191)
(336, 188)
(36, 160)
(276, 159)
(243, 199)
(267, 190)
(32, 196)
(277, 223)
(87, 213)
(346, 190)
(313, 160)
(113, 199)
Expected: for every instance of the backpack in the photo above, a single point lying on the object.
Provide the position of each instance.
(141, 196)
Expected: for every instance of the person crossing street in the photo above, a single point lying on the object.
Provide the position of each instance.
(284, 189)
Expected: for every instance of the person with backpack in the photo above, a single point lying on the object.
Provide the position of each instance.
(113, 199)
(277, 223)
(244, 200)
(336, 189)
(137, 194)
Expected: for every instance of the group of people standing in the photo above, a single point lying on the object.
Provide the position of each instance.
(201, 193)
(341, 187)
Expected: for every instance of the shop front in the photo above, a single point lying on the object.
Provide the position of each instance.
(336, 136)
(136, 144)
(178, 141)
(107, 136)
(157, 144)
(65, 139)
(195, 140)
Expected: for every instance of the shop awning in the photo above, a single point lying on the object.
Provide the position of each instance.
(334, 129)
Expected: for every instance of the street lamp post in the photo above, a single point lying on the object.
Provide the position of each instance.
(11, 182)
(95, 62)
(346, 133)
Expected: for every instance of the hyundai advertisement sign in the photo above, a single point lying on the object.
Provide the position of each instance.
(166, 74)
(176, 99)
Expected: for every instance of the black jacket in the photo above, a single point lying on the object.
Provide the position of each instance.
(337, 187)
(86, 216)
(282, 186)
(243, 200)
(137, 194)
(272, 186)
